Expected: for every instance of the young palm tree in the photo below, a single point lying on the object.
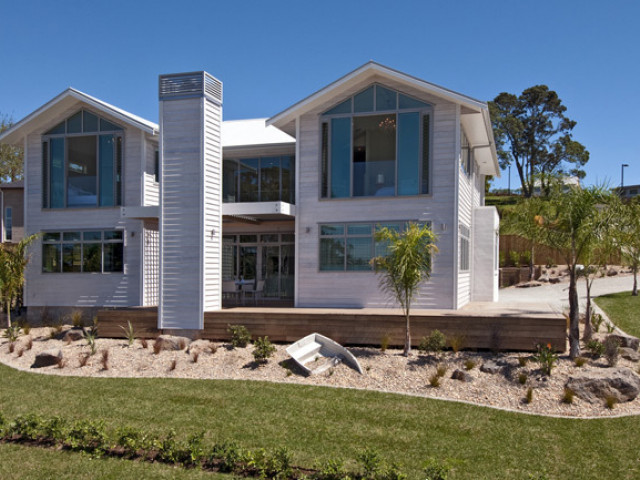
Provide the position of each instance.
(628, 237)
(406, 264)
(13, 261)
(576, 223)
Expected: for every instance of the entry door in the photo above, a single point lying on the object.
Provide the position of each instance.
(277, 270)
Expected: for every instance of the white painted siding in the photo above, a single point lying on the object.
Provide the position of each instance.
(83, 289)
(151, 187)
(360, 289)
(212, 209)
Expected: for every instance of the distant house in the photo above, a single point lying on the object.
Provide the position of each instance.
(12, 208)
(185, 213)
(628, 191)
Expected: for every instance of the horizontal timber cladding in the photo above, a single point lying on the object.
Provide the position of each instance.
(288, 325)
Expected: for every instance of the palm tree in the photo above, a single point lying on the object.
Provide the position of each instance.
(576, 222)
(407, 263)
(628, 237)
(13, 261)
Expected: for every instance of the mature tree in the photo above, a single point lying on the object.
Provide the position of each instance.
(524, 220)
(11, 158)
(13, 261)
(405, 266)
(532, 132)
(575, 223)
(628, 237)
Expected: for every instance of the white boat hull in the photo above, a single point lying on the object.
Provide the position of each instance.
(316, 353)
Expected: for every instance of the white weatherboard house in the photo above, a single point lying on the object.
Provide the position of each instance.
(181, 214)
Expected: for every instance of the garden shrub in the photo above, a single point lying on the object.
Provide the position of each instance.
(612, 350)
(263, 349)
(596, 348)
(434, 343)
(435, 470)
(240, 336)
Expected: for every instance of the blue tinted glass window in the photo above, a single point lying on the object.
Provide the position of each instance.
(363, 102)
(106, 126)
(359, 229)
(89, 122)
(359, 253)
(106, 170)
(60, 128)
(57, 173)
(337, 229)
(408, 102)
(82, 171)
(74, 123)
(340, 157)
(408, 153)
(385, 99)
(344, 107)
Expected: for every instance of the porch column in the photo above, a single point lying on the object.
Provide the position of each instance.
(190, 199)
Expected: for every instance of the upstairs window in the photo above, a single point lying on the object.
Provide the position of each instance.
(260, 179)
(375, 143)
(465, 153)
(82, 163)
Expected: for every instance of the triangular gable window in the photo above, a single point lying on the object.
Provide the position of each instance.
(377, 98)
(83, 122)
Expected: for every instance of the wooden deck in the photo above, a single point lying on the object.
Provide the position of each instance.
(481, 329)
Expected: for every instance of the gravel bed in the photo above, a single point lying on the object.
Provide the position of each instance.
(387, 371)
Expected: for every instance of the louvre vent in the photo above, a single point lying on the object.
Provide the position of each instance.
(185, 85)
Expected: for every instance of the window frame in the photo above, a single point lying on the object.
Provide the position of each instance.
(464, 248)
(118, 135)
(466, 153)
(102, 241)
(345, 236)
(324, 164)
(8, 224)
(260, 158)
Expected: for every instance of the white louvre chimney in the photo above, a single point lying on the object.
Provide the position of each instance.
(190, 199)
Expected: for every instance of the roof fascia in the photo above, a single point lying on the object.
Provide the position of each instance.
(13, 136)
(370, 69)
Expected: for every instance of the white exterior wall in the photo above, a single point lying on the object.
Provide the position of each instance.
(83, 289)
(151, 274)
(486, 226)
(360, 289)
(190, 211)
(151, 192)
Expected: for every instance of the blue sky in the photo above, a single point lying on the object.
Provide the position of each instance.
(271, 54)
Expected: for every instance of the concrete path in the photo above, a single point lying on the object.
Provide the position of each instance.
(550, 298)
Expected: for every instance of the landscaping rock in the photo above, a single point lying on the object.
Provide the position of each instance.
(626, 341)
(47, 358)
(528, 284)
(508, 362)
(629, 354)
(462, 376)
(612, 272)
(596, 386)
(199, 346)
(554, 280)
(490, 367)
(73, 335)
(544, 278)
(170, 342)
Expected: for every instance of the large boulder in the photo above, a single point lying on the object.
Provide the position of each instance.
(171, 342)
(596, 386)
(626, 341)
(47, 358)
(461, 375)
(73, 335)
(629, 354)
(200, 346)
(490, 366)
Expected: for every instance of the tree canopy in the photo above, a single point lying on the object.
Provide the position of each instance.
(11, 158)
(533, 132)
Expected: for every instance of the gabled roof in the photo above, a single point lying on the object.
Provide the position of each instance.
(477, 111)
(15, 134)
(253, 132)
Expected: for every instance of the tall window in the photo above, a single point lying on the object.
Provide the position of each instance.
(465, 252)
(465, 153)
(8, 224)
(83, 252)
(262, 179)
(82, 163)
(375, 143)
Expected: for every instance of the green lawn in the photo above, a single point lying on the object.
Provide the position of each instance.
(623, 310)
(319, 423)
